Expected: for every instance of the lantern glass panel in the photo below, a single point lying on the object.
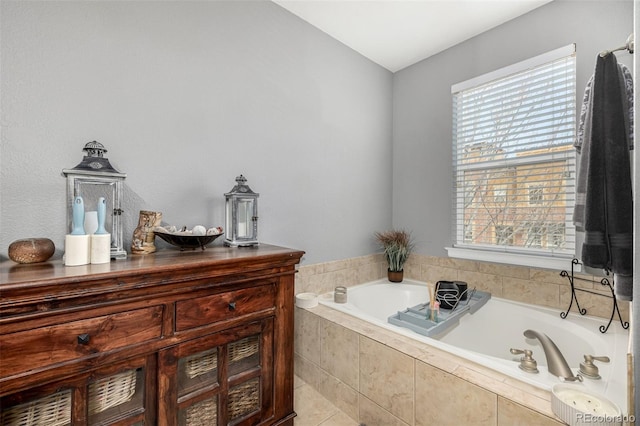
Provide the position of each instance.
(245, 218)
(91, 191)
(228, 219)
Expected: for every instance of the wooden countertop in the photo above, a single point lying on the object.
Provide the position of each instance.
(22, 283)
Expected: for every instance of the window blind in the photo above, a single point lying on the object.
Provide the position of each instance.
(513, 155)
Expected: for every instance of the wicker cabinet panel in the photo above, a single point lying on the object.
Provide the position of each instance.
(114, 394)
(44, 346)
(197, 371)
(50, 410)
(203, 413)
(244, 400)
(243, 354)
(217, 307)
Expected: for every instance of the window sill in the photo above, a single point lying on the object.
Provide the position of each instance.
(530, 260)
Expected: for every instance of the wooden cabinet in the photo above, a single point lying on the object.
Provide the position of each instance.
(172, 338)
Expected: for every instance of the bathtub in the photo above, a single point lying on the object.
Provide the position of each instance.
(486, 336)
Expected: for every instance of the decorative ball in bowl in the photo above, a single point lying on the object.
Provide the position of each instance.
(198, 237)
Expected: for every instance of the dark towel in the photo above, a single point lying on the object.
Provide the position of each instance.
(608, 214)
(584, 133)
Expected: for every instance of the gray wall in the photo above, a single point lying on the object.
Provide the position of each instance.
(422, 128)
(185, 96)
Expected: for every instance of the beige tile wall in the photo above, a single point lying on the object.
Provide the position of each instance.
(523, 284)
(387, 377)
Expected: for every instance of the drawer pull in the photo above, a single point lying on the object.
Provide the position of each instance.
(232, 306)
(84, 339)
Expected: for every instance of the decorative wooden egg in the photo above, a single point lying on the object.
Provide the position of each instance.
(31, 250)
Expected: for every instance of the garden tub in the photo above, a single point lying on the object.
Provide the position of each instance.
(487, 335)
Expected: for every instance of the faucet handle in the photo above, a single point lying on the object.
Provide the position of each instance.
(527, 363)
(591, 358)
(589, 369)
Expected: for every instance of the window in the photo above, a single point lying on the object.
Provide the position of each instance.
(555, 234)
(536, 194)
(500, 194)
(534, 237)
(514, 162)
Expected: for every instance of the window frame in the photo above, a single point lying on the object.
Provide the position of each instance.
(525, 256)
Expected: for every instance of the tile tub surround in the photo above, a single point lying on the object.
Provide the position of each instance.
(544, 287)
(330, 347)
(402, 382)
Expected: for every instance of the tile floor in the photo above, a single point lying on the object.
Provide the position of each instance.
(315, 410)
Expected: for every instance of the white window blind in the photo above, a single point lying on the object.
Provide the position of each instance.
(514, 161)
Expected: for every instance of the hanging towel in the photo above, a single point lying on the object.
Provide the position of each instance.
(626, 86)
(584, 132)
(605, 167)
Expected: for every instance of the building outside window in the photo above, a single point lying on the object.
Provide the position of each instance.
(514, 161)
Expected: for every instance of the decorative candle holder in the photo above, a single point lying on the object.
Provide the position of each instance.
(92, 179)
(241, 215)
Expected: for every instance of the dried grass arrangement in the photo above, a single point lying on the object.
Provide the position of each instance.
(397, 245)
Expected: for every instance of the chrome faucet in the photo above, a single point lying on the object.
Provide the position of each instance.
(556, 364)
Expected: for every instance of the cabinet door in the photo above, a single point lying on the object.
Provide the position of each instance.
(119, 394)
(123, 394)
(220, 379)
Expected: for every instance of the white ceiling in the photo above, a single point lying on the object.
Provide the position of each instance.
(399, 33)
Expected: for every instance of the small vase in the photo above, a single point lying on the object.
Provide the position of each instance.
(395, 276)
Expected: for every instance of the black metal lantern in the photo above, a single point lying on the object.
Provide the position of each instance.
(241, 215)
(95, 178)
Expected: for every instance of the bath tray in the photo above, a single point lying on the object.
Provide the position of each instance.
(416, 317)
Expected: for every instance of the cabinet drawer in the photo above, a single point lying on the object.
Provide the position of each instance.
(44, 346)
(217, 307)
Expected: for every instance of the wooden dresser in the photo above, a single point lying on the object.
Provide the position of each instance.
(171, 338)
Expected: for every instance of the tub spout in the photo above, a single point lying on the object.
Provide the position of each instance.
(556, 364)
